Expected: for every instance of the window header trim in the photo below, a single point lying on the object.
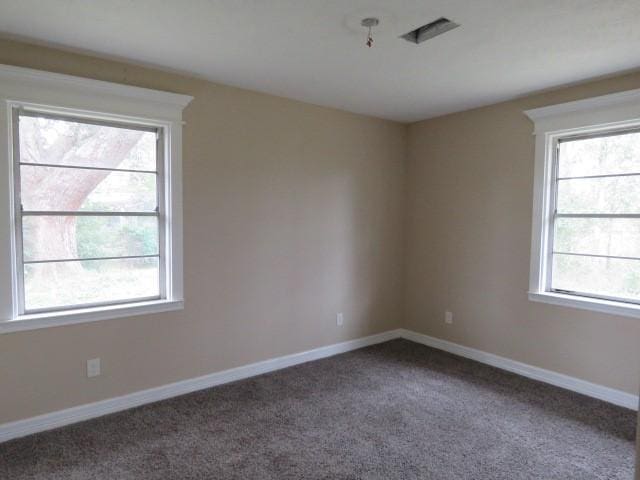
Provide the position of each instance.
(588, 105)
(32, 77)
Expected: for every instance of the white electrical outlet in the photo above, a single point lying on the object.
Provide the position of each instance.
(93, 367)
(448, 317)
(339, 319)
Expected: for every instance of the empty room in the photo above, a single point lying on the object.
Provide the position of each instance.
(319, 239)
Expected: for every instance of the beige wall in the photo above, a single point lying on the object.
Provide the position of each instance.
(294, 212)
(469, 198)
(291, 213)
(637, 475)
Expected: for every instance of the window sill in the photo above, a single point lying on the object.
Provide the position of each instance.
(585, 303)
(85, 315)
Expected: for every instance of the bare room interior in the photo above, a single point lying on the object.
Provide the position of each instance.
(319, 239)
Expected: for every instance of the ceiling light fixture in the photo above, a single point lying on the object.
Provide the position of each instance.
(369, 23)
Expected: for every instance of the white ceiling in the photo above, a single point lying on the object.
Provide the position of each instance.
(313, 50)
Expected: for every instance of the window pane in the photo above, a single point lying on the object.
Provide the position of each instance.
(63, 142)
(618, 237)
(599, 195)
(49, 285)
(70, 189)
(597, 276)
(600, 156)
(59, 238)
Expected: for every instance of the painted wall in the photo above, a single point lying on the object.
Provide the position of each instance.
(292, 213)
(469, 199)
(637, 475)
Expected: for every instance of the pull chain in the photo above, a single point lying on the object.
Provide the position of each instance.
(369, 23)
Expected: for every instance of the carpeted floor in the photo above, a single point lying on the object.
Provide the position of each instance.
(398, 410)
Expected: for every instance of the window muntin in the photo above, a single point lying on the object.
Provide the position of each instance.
(89, 212)
(594, 239)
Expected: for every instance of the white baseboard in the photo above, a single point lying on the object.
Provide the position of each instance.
(617, 397)
(60, 418)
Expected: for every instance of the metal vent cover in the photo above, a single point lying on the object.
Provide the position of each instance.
(430, 30)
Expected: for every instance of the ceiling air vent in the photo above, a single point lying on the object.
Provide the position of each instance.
(430, 30)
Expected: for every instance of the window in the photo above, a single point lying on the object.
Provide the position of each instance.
(91, 225)
(90, 210)
(586, 216)
(596, 220)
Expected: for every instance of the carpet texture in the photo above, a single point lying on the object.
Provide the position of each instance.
(397, 410)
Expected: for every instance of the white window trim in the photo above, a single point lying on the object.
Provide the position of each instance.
(594, 115)
(45, 91)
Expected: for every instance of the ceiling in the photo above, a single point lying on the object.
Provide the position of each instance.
(314, 50)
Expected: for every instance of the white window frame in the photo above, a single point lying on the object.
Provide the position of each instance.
(65, 95)
(593, 116)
